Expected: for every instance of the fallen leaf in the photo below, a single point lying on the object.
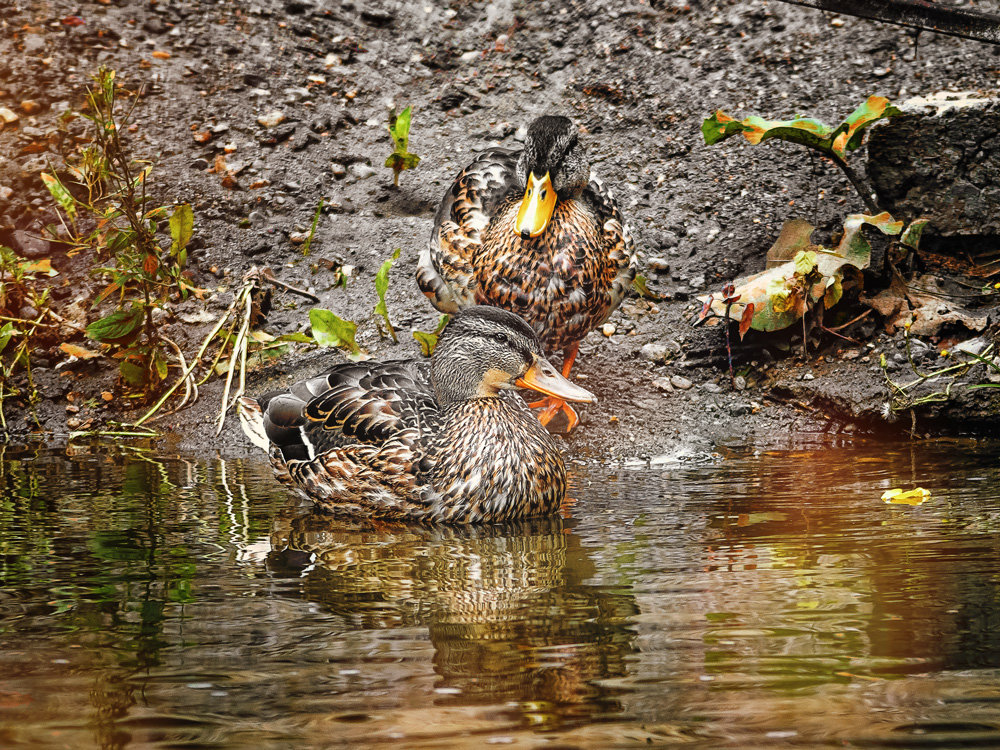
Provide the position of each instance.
(915, 496)
(78, 351)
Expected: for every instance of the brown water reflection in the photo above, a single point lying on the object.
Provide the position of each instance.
(759, 600)
(507, 614)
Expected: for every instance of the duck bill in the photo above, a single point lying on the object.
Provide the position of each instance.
(544, 378)
(536, 207)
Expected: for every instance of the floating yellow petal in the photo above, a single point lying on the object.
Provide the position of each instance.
(908, 497)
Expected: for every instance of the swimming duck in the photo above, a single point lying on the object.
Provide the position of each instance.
(445, 441)
(534, 232)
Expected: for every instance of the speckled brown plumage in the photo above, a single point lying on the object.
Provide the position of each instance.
(405, 441)
(565, 282)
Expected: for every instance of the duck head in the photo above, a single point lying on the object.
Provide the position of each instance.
(551, 167)
(484, 350)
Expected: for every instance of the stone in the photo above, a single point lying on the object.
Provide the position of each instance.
(680, 382)
(712, 388)
(272, 119)
(362, 171)
(30, 106)
(6, 193)
(8, 116)
(608, 329)
(658, 265)
(28, 245)
(941, 159)
(338, 170)
(657, 353)
(662, 384)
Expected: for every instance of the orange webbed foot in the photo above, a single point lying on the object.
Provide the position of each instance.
(550, 407)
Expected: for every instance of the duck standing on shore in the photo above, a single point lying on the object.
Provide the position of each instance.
(534, 232)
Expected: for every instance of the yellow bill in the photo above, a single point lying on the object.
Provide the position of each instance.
(536, 207)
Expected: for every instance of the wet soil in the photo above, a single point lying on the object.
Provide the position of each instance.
(638, 78)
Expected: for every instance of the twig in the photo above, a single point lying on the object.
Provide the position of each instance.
(190, 368)
(240, 341)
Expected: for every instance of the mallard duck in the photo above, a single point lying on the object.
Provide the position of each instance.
(445, 441)
(534, 232)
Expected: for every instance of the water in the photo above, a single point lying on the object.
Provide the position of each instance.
(760, 600)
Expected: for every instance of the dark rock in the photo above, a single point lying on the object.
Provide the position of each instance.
(256, 250)
(303, 137)
(154, 25)
(29, 245)
(936, 160)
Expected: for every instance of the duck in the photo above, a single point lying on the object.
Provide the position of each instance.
(447, 440)
(537, 233)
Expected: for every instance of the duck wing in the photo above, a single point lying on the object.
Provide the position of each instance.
(351, 404)
(445, 272)
(617, 239)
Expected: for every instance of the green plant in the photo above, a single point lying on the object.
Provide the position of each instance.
(832, 142)
(329, 329)
(909, 396)
(381, 287)
(20, 336)
(400, 158)
(111, 193)
(428, 341)
(806, 275)
(312, 228)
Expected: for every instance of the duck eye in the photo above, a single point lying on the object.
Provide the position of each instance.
(499, 338)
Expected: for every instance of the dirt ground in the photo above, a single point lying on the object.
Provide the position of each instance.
(638, 78)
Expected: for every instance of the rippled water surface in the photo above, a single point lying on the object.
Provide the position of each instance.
(768, 600)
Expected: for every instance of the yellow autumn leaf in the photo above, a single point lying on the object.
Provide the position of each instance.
(78, 351)
(906, 497)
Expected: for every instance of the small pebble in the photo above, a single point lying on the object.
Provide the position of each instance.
(362, 171)
(680, 382)
(608, 329)
(662, 384)
(272, 119)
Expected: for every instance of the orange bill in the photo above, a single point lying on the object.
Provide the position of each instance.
(536, 207)
(545, 378)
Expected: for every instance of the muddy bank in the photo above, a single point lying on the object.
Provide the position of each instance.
(295, 96)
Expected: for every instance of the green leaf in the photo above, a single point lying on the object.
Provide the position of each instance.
(181, 227)
(912, 234)
(804, 262)
(719, 127)
(381, 287)
(400, 159)
(806, 131)
(399, 128)
(328, 329)
(120, 326)
(850, 133)
(781, 295)
(641, 285)
(428, 341)
(6, 334)
(297, 337)
(61, 195)
(132, 373)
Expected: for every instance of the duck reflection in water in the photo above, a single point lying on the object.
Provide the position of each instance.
(507, 609)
